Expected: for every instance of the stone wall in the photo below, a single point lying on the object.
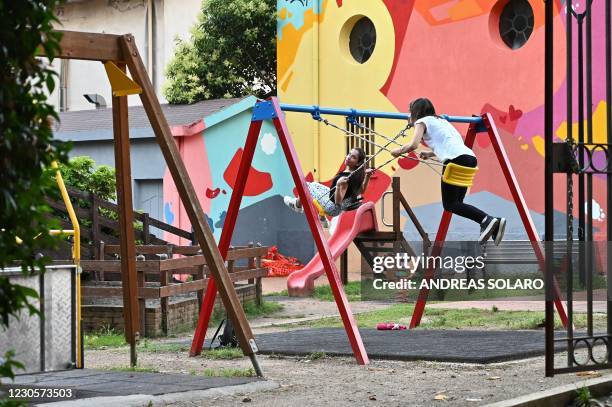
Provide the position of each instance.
(182, 313)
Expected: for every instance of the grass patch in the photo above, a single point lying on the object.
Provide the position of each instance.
(222, 353)
(455, 319)
(104, 338)
(229, 372)
(352, 290)
(251, 309)
(324, 293)
(316, 355)
(134, 369)
(147, 345)
(283, 293)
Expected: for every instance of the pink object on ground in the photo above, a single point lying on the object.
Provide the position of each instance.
(300, 283)
(390, 326)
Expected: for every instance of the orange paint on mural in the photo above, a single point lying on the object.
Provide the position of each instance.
(438, 12)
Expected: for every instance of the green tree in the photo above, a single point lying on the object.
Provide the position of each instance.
(232, 53)
(27, 149)
(81, 173)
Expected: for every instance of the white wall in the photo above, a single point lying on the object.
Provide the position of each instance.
(173, 18)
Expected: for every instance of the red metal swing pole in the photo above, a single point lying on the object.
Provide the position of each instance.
(438, 244)
(530, 228)
(226, 235)
(517, 196)
(315, 227)
(317, 232)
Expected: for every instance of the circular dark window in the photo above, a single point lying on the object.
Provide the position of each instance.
(362, 40)
(516, 23)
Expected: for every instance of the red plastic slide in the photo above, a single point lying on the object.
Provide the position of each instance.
(300, 283)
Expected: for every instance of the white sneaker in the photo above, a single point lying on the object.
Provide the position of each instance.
(291, 202)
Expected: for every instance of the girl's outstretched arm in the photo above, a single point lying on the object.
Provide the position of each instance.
(419, 131)
(366, 179)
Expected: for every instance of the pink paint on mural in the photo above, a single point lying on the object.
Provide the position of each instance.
(194, 155)
(400, 11)
(452, 65)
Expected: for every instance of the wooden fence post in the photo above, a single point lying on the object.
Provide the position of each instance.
(95, 226)
(145, 229)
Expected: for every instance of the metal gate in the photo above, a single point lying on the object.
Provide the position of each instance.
(581, 159)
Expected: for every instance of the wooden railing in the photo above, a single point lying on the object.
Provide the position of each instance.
(159, 272)
(96, 227)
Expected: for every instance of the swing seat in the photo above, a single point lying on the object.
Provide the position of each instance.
(319, 208)
(458, 175)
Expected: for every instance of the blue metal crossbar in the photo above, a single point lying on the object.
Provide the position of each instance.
(316, 110)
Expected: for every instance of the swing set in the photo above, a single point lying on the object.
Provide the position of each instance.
(454, 174)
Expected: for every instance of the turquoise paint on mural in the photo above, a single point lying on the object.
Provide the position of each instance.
(223, 140)
(296, 10)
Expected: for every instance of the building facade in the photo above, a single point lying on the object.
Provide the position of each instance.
(469, 57)
(155, 24)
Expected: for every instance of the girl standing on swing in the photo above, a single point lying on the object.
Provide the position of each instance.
(448, 146)
(346, 189)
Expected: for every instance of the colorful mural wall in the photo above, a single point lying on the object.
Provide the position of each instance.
(211, 149)
(453, 52)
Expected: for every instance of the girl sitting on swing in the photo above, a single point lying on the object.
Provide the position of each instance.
(346, 189)
(446, 144)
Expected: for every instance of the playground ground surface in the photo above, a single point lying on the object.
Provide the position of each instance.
(320, 379)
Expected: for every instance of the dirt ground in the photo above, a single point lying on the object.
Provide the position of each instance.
(339, 381)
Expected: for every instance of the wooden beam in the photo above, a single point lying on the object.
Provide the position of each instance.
(126, 222)
(190, 200)
(89, 46)
(114, 266)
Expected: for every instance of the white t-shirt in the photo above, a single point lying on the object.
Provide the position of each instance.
(443, 138)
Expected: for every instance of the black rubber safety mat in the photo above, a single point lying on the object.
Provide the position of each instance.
(464, 346)
(87, 383)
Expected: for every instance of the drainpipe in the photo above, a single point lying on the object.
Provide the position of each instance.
(63, 85)
(316, 129)
(149, 39)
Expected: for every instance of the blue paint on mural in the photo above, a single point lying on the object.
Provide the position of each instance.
(210, 222)
(295, 12)
(221, 220)
(168, 214)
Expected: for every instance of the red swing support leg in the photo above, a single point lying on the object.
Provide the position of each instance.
(506, 167)
(271, 110)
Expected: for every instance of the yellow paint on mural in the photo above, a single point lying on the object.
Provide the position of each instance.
(346, 83)
(524, 147)
(599, 126)
(283, 13)
(538, 144)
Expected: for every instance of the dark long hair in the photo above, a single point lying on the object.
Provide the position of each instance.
(356, 179)
(421, 107)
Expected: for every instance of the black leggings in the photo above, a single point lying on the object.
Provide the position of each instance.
(452, 195)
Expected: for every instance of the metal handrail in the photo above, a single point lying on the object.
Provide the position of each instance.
(382, 210)
(76, 254)
(76, 230)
